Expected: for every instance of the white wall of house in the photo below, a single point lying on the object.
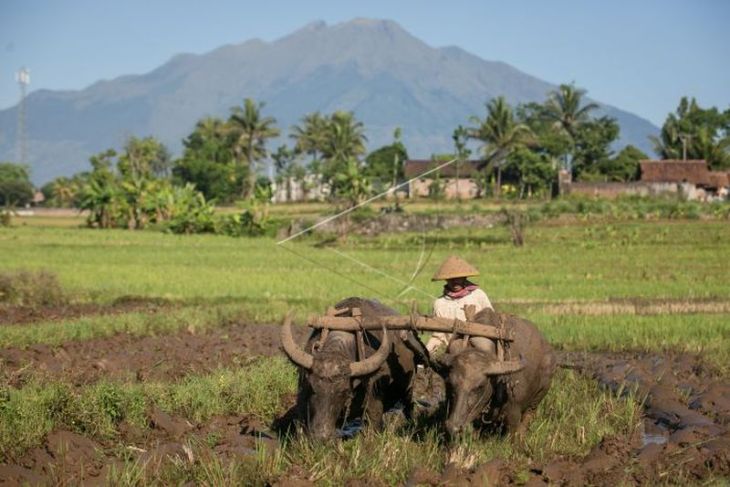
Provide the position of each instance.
(311, 189)
(465, 189)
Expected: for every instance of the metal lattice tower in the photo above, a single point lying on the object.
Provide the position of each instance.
(23, 79)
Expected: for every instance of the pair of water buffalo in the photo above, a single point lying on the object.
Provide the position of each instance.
(334, 386)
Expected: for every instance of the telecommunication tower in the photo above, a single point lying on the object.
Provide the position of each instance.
(23, 79)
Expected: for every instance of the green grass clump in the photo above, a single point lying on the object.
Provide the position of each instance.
(705, 334)
(28, 414)
(31, 289)
(255, 390)
(193, 318)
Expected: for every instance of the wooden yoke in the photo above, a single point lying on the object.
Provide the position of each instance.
(420, 323)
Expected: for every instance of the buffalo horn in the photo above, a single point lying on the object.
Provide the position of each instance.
(295, 353)
(373, 362)
(509, 367)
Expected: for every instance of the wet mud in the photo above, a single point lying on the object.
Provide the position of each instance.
(23, 315)
(685, 438)
(68, 458)
(137, 359)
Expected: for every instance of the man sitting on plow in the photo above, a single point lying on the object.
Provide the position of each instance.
(458, 293)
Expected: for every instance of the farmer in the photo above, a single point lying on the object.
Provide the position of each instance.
(458, 292)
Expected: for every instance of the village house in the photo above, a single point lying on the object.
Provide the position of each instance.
(691, 179)
(308, 189)
(455, 181)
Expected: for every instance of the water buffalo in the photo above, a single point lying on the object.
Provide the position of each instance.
(335, 387)
(487, 394)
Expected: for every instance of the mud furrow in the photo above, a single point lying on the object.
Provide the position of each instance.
(147, 358)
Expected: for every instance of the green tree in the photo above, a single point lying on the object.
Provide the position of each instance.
(351, 185)
(693, 132)
(15, 186)
(251, 131)
(592, 146)
(534, 171)
(144, 158)
(63, 192)
(565, 110)
(625, 166)
(460, 137)
(208, 162)
(500, 134)
(385, 164)
(100, 194)
(344, 141)
(286, 168)
(309, 135)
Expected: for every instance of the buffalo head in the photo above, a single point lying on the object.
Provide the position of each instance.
(328, 375)
(472, 384)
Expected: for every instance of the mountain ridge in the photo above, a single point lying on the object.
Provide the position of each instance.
(373, 67)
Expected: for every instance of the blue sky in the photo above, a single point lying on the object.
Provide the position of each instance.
(641, 56)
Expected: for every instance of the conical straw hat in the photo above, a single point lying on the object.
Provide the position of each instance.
(454, 267)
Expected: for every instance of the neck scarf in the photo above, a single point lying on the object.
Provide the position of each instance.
(465, 291)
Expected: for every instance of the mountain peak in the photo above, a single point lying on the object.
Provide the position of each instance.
(376, 25)
(373, 67)
(313, 26)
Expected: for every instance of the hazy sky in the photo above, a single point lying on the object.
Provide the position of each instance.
(641, 56)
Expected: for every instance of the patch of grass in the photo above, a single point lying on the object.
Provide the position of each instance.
(28, 414)
(30, 288)
(193, 318)
(254, 390)
(579, 261)
(574, 416)
(705, 334)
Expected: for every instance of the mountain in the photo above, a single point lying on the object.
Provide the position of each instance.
(373, 67)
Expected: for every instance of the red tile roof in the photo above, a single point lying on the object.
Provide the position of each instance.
(674, 171)
(415, 167)
(719, 179)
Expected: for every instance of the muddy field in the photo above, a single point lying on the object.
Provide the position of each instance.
(686, 423)
(148, 358)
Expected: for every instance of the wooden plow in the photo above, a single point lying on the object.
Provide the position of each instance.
(352, 320)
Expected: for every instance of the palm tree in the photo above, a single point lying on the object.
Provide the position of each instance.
(64, 192)
(563, 108)
(309, 135)
(344, 137)
(501, 135)
(344, 141)
(251, 131)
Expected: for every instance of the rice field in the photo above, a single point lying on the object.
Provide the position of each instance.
(656, 286)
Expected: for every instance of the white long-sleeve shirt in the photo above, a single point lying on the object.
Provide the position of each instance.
(447, 307)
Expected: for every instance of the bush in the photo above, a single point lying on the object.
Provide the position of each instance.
(6, 218)
(635, 207)
(240, 225)
(27, 288)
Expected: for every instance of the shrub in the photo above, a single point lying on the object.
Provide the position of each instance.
(240, 225)
(28, 288)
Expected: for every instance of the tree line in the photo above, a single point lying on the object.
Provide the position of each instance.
(519, 149)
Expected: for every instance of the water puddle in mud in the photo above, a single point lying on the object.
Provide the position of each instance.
(353, 427)
(350, 429)
(649, 439)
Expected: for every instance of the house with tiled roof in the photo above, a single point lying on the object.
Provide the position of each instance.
(691, 179)
(454, 180)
